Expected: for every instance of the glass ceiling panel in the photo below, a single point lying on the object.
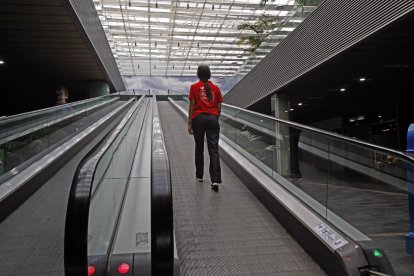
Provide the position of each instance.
(171, 38)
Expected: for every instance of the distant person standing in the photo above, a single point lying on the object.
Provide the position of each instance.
(203, 119)
(62, 95)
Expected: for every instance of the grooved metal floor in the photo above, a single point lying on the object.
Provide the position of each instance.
(229, 232)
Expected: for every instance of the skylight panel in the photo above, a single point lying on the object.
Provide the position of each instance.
(191, 31)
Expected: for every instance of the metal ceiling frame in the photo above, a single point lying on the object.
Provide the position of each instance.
(172, 37)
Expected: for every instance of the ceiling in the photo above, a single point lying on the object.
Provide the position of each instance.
(385, 60)
(41, 47)
(40, 36)
(171, 38)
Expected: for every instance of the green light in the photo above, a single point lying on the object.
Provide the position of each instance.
(377, 253)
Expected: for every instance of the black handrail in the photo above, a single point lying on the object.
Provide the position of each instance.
(162, 239)
(77, 214)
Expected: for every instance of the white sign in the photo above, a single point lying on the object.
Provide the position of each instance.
(330, 236)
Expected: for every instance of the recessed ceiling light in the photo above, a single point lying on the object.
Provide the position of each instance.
(300, 104)
(342, 89)
(1, 61)
(361, 79)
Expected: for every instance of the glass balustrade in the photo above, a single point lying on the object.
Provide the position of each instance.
(362, 189)
(108, 187)
(25, 138)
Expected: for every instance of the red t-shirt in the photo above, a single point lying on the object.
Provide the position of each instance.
(202, 104)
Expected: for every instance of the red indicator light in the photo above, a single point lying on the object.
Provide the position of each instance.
(123, 268)
(91, 270)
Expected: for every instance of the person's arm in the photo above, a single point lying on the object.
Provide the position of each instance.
(219, 109)
(190, 115)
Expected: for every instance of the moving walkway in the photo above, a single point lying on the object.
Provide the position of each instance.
(202, 219)
(346, 182)
(119, 218)
(111, 227)
(33, 200)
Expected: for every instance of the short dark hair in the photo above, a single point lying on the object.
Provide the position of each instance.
(203, 72)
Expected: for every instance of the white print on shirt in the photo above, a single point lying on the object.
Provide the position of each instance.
(203, 95)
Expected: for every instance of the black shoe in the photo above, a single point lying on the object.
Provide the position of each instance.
(214, 186)
(199, 179)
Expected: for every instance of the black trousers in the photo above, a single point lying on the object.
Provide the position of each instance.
(207, 125)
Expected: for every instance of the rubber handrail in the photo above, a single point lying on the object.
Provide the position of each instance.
(162, 239)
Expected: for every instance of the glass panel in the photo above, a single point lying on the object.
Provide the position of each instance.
(254, 139)
(313, 154)
(368, 189)
(25, 138)
(365, 192)
(361, 190)
(109, 184)
(282, 152)
(227, 126)
(100, 228)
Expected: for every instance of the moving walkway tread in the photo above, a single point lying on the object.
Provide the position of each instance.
(229, 232)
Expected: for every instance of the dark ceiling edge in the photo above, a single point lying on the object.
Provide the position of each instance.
(88, 24)
(332, 28)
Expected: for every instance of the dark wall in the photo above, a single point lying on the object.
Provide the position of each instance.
(46, 43)
(25, 90)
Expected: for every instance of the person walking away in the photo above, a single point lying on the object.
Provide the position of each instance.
(203, 120)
